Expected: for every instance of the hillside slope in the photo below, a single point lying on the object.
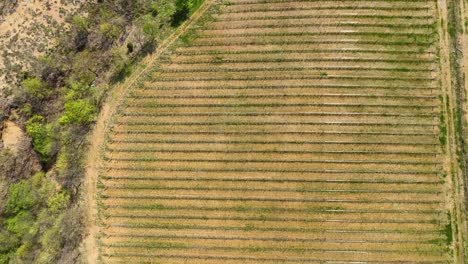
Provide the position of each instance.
(287, 132)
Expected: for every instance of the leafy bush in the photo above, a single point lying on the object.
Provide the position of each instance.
(21, 224)
(78, 112)
(77, 90)
(150, 28)
(85, 67)
(36, 88)
(109, 31)
(58, 202)
(42, 137)
(81, 23)
(21, 197)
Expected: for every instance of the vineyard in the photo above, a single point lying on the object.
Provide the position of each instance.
(287, 131)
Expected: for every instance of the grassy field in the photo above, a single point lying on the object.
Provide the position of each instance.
(286, 131)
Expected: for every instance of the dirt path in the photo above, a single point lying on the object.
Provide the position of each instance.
(456, 183)
(98, 135)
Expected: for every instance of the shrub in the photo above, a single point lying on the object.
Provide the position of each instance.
(26, 194)
(86, 65)
(81, 23)
(42, 137)
(20, 197)
(36, 88)
(58, 202)
(76, 91)
(150, 27)
(21, 223)
(109, 31)
(79, 112)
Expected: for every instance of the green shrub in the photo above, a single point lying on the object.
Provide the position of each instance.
(109, 31)
(79, 112)
(82, 23)
(85, 67)
(42, 137)
(21, 223)
(58, 202)
(21, 196)
(36, 88)
(27, 109)
(150, 28)
(77, 90)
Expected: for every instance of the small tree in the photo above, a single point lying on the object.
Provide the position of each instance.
(182, 12)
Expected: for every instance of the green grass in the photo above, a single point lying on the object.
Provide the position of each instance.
(448, 231)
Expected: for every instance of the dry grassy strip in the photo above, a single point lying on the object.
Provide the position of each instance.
(292, 49)
(403, 162)
(281, 41)
(377, 5)
(290, 105)
(228, 198)
(242, 209)
(282, 249)
(288, 36)
(180, 60)
(288, 59)
(384, 15)
(402, 134)
(244, 68)
(386, 154)
(275, 229)
(328, 8)
(229, 260)
(139, 113)
(252, 189)
(254, 142)
(152, 123)
(152, 86)
(298, 24)
(331, 73)
(285, 96)
(240, 135)
(324, 187)
(197, 90)
(282, 239)
(269, 32)
(246, 2)
(268, 193)
(318, 76)
(147, 168)
(270, 209)
(245, 179)
(266, 16)
(146, 215)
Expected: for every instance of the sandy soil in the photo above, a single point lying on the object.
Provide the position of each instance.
(29, 32)
(12, 135)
